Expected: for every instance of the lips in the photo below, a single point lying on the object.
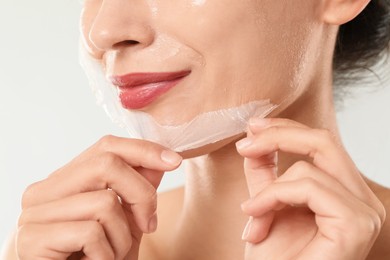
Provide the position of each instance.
(138, 90)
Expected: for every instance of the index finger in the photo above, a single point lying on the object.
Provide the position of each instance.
(136, 152)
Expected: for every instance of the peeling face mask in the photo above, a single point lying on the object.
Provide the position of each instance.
(205, 128)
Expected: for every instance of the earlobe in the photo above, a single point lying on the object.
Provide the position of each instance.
(339, 12)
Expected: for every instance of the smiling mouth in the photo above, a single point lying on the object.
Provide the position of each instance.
(138, 90)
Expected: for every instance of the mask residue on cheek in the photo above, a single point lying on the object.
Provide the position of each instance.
(162, 55)
(164, 48)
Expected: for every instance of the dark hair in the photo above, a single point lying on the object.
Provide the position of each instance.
(362, 42)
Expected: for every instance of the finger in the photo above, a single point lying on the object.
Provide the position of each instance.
(327, 154)
(352, 181)
(102, 206)
(339, 219)
(282, 194)
(100, 173)
(60, 240)
(259, 172)
(256, 125)
(299, 192)
(150, 159)
(257, 229)
(305, 170)
(136, 152)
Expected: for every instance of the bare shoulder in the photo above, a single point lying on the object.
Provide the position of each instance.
(168, 211)
(381, 249)
(8, 249)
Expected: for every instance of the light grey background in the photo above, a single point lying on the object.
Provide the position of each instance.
(48, 113)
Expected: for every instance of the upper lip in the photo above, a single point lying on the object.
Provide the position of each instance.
(137, 79)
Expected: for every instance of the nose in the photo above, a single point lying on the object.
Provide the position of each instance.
(120, 23)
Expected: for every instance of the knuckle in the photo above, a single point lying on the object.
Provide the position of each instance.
(310, 184)
(373, 222)
(273, 129)
(29, 195)
(149, 197)
(106, 142)
(105, 163)
(325, 133)
(326, 137)
(381, 212)
(367, 224)
(108, 200)
(107, 160)
(298, 170)
(24, 217)
(94, 232)
(301, 167)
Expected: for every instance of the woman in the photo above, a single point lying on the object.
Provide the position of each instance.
(308, 199)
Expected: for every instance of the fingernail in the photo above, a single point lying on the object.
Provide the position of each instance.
(247, 229)
(259, 122)
(152, 226)
(171, 157)
(244, 143)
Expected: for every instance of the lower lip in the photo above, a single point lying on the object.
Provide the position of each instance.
(141, 96)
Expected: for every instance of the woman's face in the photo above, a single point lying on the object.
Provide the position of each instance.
(235, 51)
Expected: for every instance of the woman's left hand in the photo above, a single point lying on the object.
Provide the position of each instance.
(318, 209)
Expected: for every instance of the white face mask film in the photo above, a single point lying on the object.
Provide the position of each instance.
(206, 128)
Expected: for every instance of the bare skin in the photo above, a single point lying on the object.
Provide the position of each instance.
(191, 226)
(224, 187)
(313, 178)
(159, 246)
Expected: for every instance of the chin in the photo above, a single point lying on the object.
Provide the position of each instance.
(211, 148)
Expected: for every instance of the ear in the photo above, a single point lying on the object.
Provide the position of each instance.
(338, 12)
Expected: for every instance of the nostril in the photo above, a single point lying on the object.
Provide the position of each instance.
(125, 43)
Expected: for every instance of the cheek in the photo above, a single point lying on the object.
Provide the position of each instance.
(203, 27)
(271, 57)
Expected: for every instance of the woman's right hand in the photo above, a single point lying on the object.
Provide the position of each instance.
(98, 205)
